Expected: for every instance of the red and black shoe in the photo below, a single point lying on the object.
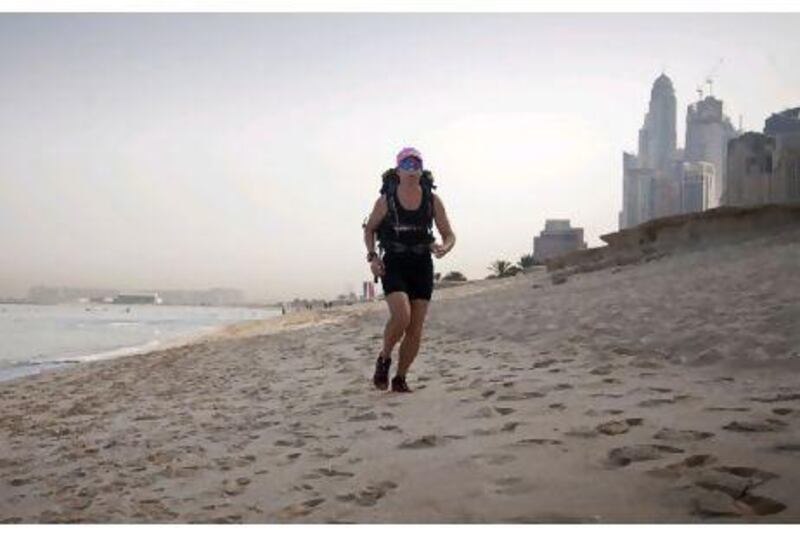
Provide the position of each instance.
(399, 384)
(381, 377)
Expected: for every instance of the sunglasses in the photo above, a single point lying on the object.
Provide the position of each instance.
(410, 163)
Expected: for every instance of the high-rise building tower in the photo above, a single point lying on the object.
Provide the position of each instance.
(657, 138)
(647, 175)
(708, 131)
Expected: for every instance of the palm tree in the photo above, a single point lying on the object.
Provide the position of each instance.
(500, 268)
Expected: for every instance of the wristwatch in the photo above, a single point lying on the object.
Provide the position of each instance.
(371, 256)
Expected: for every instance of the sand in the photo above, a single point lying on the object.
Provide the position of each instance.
(665, 391)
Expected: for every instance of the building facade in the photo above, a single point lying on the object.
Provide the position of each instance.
(696, 181)
(765, 167)
(708, 131)
(557, 238)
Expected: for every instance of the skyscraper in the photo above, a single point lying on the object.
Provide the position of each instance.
(654, 165)
(657, 138)
(708, 131)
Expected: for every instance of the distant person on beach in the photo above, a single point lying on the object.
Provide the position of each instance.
(402, 218)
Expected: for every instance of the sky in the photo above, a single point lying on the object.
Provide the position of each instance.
(189, 151)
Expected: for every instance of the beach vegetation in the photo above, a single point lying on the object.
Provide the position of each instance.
(526, 261)
(455, 276)
(503, 269)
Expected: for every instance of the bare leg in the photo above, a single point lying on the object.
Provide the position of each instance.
(399, 319)
(410, 345)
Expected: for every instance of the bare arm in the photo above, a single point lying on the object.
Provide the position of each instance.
(379, 211)
(443, 224)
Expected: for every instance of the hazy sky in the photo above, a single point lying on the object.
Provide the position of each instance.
(189, 151)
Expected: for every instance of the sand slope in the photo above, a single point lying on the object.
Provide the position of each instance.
(666, 391)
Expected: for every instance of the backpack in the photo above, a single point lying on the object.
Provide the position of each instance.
(388, 227)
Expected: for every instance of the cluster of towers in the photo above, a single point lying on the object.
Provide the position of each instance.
(661, 179)
(719, 164)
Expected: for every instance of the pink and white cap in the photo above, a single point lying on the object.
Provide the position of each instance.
(408, 152)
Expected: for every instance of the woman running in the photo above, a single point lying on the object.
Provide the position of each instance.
(403, 217)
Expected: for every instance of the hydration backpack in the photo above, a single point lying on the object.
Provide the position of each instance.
(389, 229)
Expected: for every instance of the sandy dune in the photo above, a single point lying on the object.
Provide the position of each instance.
(665, 391)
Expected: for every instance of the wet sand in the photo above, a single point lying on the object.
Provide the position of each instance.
(664, 392)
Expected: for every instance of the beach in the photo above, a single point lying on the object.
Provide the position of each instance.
(662, 391)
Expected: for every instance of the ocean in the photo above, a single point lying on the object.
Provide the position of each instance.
(34, 338)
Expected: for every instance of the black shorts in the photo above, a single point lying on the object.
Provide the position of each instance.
(409, 273)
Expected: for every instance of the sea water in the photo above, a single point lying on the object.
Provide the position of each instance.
(39, 337)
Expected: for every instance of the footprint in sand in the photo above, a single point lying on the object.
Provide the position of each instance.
(426, 441)
(649, 365)
(602, 370)
(686, 435)
(235, 487)
(484, 432)
(537, 442)
(494, 459)
(369, 496)
(483, 412)
(330, 472)
(325, 454)
(363, 417)
(655, 402)
(520, 396)
(607, 395)
(512, 486)
(618, 427)
(715, 504)
(729, 492)
(728, 409)
(756, 426)
(299, 509)
(676, 470)
(582, 432)
(782, 397)
(297, 443)
(788, 447)
(642, 452)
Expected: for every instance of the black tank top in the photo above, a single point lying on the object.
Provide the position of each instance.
(413, 225)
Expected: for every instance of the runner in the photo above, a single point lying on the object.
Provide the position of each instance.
(402, 218)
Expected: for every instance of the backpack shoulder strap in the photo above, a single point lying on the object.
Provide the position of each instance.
(389, 186)
(390, 180)
(427, 190)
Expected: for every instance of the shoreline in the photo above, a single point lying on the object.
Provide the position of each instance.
(245, 328)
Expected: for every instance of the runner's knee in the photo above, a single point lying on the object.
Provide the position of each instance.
(402, 320)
